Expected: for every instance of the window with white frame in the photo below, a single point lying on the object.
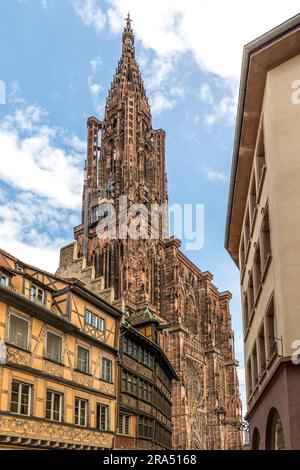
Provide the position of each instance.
(54, 406)
(102, 417)
(4, 280)
(83, 359)
(53, 347)
(107, 369)
(37, 294)
(95, 321)
(20, 398)
(81, 412)
(18, 331)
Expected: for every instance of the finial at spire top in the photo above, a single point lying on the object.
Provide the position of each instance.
(128, 36)
(128, 21)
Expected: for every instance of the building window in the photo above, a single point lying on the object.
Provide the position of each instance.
(4, 280)
(254, 366)
(83, 359)
(252, 200)
(275, 434)
(20, 398)
(124, 424)
(247, 232)
(81, 412)
(54, 406)
(145, 427)
(37, 294)
(256, 440)
(245, 311)
(18, 331)
(54, 347)
(102, 417)
(134, 386)
(257, 270)
(106, 369)
(262, 350)
(249, 377)
(95, 321)
(250, 296)
(271, 331)
(130, 348)
(130, 384)
(125, 346)
(260, 158)
(242, 254)
(265, 240)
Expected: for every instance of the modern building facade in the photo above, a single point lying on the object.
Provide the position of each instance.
(58, 361)
(262, 233)
(126, 159)
(145, 390)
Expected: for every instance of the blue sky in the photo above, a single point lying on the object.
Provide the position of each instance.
(57, 58)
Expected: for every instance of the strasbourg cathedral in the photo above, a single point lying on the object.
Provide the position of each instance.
(126, 157)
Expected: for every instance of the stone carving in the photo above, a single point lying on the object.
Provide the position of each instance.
(18, 357)
(83, 379)
(25, 427)
(53, 369)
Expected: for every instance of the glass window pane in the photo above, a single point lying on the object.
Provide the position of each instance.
(81, 407)
(83, 359)
(101, 324)
(106, 369)
(32, 292)
(3, 280)
(103, 417)
(20, 398)
(18, 331)
(54, 346)
(40, 296)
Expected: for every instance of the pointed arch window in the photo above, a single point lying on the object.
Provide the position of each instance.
(275, 434)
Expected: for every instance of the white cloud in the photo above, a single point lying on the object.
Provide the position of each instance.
(30, 230)
(205, 93)
(163, 85)
(41, 165)
(224, 110)
(31, 160)
(95, 64)
(215, 176)
(241, 375)
(95, 87)
(90, 14)
(77, 144)
(160, 103)
(214, 31)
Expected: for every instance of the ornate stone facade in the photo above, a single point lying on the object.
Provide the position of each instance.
(135, 274)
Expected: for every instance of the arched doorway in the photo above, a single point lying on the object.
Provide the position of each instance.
(275, 434)
(256, 440)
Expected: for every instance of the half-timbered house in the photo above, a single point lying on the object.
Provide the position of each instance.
(58, 361)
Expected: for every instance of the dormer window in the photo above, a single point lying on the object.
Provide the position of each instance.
(4, 280)
(37, 294)
(95, 321)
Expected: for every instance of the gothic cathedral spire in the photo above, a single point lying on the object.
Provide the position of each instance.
(130, 159)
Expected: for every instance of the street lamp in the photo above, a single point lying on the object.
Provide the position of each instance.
(240, 425)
